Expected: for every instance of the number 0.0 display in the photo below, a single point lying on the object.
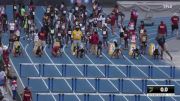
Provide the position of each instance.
(160, 89)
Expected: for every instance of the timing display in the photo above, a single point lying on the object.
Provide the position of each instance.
(160, 90)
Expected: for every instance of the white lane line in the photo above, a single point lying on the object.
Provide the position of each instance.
(80, 71)
(36, 69)
(56, 66)
(124, 74)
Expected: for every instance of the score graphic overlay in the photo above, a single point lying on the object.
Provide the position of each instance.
(160, 90)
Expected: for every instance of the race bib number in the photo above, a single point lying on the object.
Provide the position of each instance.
(33, 13)
(59, 34)
(131, 26)
(64, 12)
(76, 8)
(29, 22)
(104, 32)
(63, 26)
(52, 31)
(141, 31)
(77, 23)
(69, 32)
(144, 39)
(125, 35)
(77, 35)
(15, 7)
(83, 28)
(12, 27)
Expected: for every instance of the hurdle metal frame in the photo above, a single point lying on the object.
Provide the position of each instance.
(106, 66)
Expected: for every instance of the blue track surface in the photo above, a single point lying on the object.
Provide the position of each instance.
(89, 85)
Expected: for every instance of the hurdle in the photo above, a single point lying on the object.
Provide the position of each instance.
(97, 83)
(29, 64)
(172, 69)
(87, 96)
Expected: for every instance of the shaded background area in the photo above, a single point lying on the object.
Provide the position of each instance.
(69, 2)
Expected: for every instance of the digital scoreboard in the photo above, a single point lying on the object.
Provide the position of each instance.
(160, 90)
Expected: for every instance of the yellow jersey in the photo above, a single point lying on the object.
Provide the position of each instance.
(76, 35)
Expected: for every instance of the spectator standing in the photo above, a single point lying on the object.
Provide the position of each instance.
(14, 88)
(175, 24)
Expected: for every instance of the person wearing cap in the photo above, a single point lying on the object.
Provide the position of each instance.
(27, 94)
(175, 24)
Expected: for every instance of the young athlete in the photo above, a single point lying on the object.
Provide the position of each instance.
(156, 53)
(143, 41)
(99, 49)
(161, 41)
(118, 51)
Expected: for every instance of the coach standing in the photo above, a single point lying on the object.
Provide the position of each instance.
(175, 26)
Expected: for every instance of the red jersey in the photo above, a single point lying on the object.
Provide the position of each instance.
(6, 57)
(27, 96)
(113, 20)
(162, 29)
(134, 15)
(31, 7)
(55, 49)
(42, 36)
(94, 39)
(175, 20)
